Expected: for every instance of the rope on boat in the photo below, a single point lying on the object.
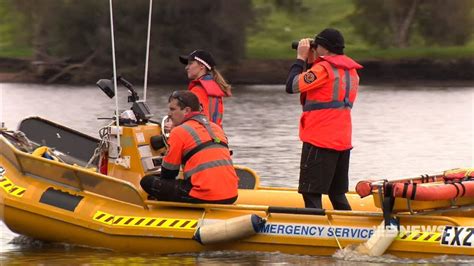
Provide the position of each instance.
(201, 222)
(335, 235)
(19, 138)
(115, 76)
(145, 79)
(103, 144)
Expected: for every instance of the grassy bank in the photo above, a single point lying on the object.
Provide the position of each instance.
(15, 52)
(442, 53)
(271, 49)
(277, 28)
(275, 32)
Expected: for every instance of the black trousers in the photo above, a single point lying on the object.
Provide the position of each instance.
(339, 201)
(324, 171)
(174, 190)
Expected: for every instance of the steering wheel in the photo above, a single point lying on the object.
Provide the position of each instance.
(165, 133)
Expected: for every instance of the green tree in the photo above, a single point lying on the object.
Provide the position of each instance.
(446, 22)
(14, 25)
(395, 22)
(292, 6)
(385, 23)
(72, 38)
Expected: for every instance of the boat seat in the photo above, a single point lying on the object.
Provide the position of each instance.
(248, 179)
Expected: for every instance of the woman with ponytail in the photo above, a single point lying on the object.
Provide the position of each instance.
(207, 83)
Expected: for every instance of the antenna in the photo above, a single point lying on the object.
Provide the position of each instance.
(115, 75)
(145, 80)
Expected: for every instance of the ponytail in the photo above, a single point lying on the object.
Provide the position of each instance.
(219, 79)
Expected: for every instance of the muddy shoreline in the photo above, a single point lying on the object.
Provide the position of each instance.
(458, 72)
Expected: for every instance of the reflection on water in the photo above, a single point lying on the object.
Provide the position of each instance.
(31, 251)
(41, 253)
(397, 132)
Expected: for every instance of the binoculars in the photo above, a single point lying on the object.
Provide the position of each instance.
(294, 45)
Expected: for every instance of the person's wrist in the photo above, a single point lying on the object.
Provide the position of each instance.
(300, 61)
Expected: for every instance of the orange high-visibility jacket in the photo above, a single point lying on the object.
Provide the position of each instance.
(201, 147)
(210, 97)
(328, 90)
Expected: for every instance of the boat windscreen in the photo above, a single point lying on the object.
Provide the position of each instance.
(68, 141)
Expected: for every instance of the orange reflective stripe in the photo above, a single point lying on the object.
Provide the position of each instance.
(311, 104)
(205, 123)
(197, 140)
(170, 166)
(335, 86)
(205, 166)
(209, 167)
(193, 133)
(331, 98)
(347, 102)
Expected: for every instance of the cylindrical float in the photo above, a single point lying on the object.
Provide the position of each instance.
(229, 230)
(379, 241)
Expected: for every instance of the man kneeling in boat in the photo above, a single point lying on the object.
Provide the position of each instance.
(201, 147)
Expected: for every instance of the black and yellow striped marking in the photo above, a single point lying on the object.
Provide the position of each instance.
(433, 237)
(10, 188)
(150, 222)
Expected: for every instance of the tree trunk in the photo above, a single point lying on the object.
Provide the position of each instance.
(39, 32)
(401, 18)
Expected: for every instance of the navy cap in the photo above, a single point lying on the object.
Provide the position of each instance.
(201, 56)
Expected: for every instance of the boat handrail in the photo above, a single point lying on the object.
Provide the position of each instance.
(447, 210)
(289, 210)
(277, 188)
(263, 208)
(429, 217)
(423, 178)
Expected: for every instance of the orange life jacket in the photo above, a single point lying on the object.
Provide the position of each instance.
(326, 119)
(211, 100)
(201, 147)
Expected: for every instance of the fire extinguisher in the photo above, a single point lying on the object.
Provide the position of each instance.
(103, 161)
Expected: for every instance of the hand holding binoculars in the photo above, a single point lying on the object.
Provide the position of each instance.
(294, 45)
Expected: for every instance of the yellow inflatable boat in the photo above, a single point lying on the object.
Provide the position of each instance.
(59, 185)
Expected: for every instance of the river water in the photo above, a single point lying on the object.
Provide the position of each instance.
(397, 132)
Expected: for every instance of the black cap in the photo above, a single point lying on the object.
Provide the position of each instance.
(330, 39)
(201, 56)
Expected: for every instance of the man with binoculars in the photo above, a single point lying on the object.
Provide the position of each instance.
(327, 81)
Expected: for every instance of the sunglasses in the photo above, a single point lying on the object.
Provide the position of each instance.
(175, 95)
